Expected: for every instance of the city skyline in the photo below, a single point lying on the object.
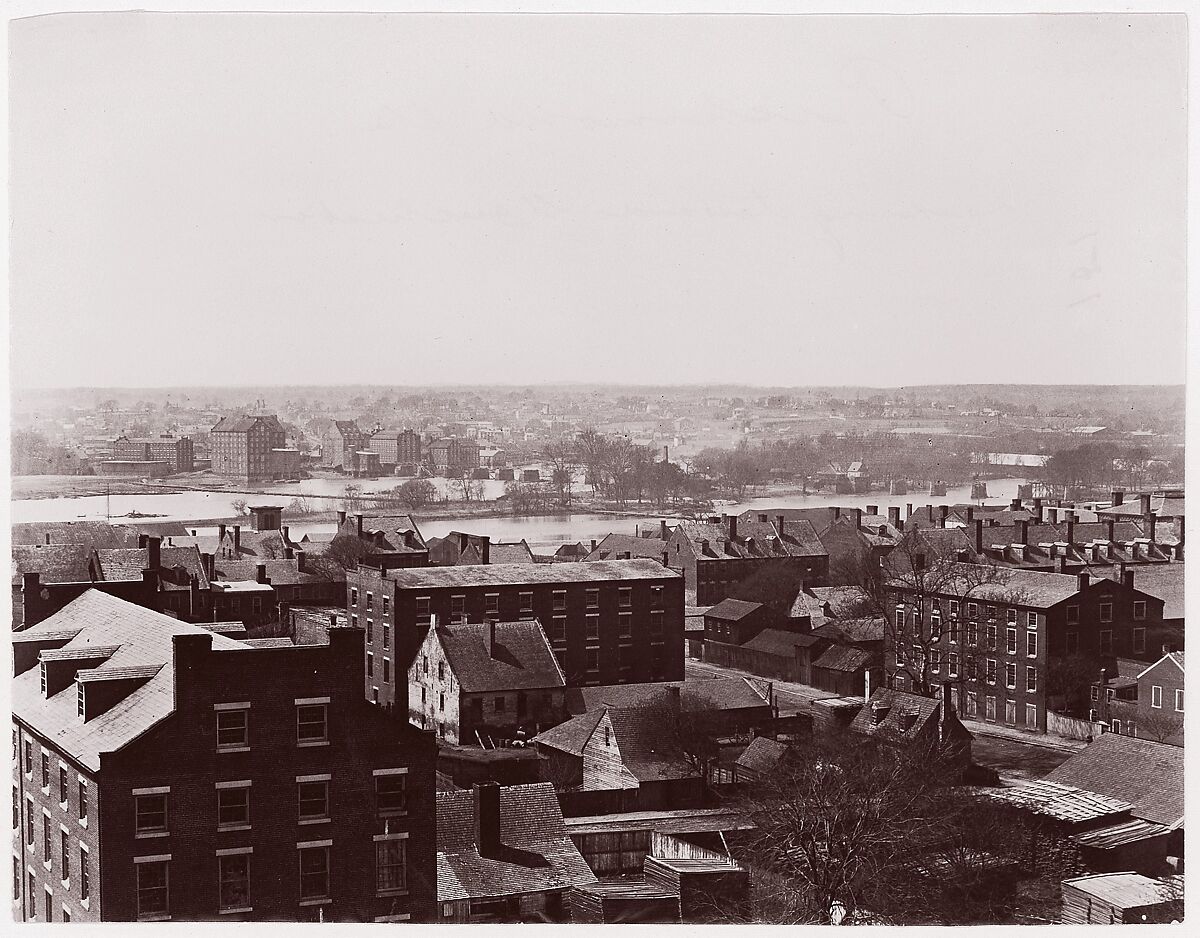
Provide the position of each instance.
(276, 192)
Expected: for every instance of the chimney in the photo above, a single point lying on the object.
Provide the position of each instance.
(47, 538)
(779, 524)
(894, 516)
(1037, 510)
(664, 534)
(288, 553)
(285, 529)
(299, 561)
(1112, 525)
(220, 532)
(593, 545)
(153, 553)
(703, 545)
(1061, 564)
(899, 525)
(359, 520)
(908, 720)
(858, 518)
(1135, 551)
(872, 509)
(487, 818)
(1071, 528)
(979, 535)
(1151, 524)
(1016, 505)
(142, 539)
(728, 547)
(947, 708)
(491, 638)
(1054, 516)
(1118, 498)
(341, 518)
(731, 525)
(908, 510)
(237, 538)
(837, 512)
(1127, 579)
(1145, 505)
(929, 513)
(209, 563)
(485, 544)
(260, 573)
(878, 712)
(970, 513)
(1084, 579)
(1023, 527)
(666, 559)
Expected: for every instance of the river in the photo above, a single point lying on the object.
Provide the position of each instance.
(541, 532)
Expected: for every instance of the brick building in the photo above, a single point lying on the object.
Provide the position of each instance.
(450, 456)
(392, 540)
(340, 443)
(157, 776)
(609, 622)
(241, 447)
(997, 636)
(1160, 700)
(178, 451)
(491, 680)
(396, 448)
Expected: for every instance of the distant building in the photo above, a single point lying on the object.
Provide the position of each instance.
(396, 448)
(241, 447)
(392, 540)
(177, 451)
(451, 455)
(170, 772)
(339, 444)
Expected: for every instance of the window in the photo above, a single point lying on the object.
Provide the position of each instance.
(390, 864)
(972, 632)
(935, 626)
(1179, 701)
(900, 655)
(422, 606)
(62, 785)
(314, 872)
(233, 724)
(45, 771)
(625, 624)
(899, 619)
(29, 897)
(387, 636)
(954, 609)
(233, 872)
(1031, 644)
(80, 708)
(152, 889)
(29, 821)
(370, 599)
(151, 812)
(991, 670)
(625, 597)
(1156, 697)
(46, 839)
(1106, 641)
(592, 656)
(1139, 609)
(65, 855)
(370, 631)
(424, 664)
(935, 659)
(991, 636)
(1031, 678)
(1106, 612)
(990, 712)
(311, 723)
(233, 804)
(558, 629)
(66, 914)
(972, 703)
(1031, 620)
(499, 704)
(972, 610)
(526, 603)
(458, 609)
(49, 906)
(387, 671)
(952, 664)
(43, 670)
(592, 627)
(385, 605)
(593, 598)
(1072, 613)
(1139, 640)
(391, 792)
(491, 605)
(353, 596)
(1011, 639)
(83, 801)
(559, 600)
(1031, 715)
(370, 665)
(1072, 642)
(1010, 674)
(656, 623)
(313, 796)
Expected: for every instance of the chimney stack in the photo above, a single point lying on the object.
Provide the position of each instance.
(1084, 579)
(1016, 505)
(1112, 525)
(285, 529)
(1127, 578)
(970, 513)
(858, 518)
(487, 818)
(929, 512)
(359, 520)
(1151, 524)
(978, 535)
(731, 525)
(666, 559)
(491, 638)
(593, 545)
(153, 553)
(908, 508)
(341, 516)
(894, 516)
(288, 553)
(664, 534)
(300, 561)
(485, 544)
(779, 524)
(142, 541)
(1145, 505)
(260, 573)
(1118, 498)
(837, 512)
(1061, 564)
(221, 532)
(1023, 527)
(1071, 528)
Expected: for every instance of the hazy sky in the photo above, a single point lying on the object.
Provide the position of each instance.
(434, 199)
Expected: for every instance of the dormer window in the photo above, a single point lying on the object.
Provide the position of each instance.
(43, 670)
(79, 704)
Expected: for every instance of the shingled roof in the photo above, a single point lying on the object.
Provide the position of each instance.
(144, 645)
(521, 659)
(1147, 774)
(732, 610)
(616, 545)
(518, 574)
(530, 821)
(843, 658)
(715, 694)
(62, 563)
(753, 539)
(279, 572)
(896, 705)
(128, 563)
(646, 753)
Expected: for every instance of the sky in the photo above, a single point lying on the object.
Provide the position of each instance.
(779, 201)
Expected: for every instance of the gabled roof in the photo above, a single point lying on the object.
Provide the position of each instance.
(891, 728)
(245, 423)
(644, 750)
(709, 694)
(520, 660)
(516, 574)
(1122, 890)
(615, 545)
(279, 572)
(777, 642)
(1062, 802)
(64, 563)
(507, 552)
(531, 821)
(86, 533)
(1164, 581)
(128, 563)
(843, 600)
(1173, 657)
(732, 610)
(852, 631)
(754, 539)
(1147, 774)
(1032, 588)
(572, 735)
(843, 658)
(762, 755)
(144, 640)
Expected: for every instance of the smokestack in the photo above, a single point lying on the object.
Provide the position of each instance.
(837, 512)
(153, 552)
(1118, 498)
(666, 559)
(1071, 528)
(299, 561)
(285, 530)
(1023, 527)
(237, 538)
(288, 553)
(487, 818)
(593, 545)
(894, 516)
(359, 520)
(978, 535)
(970, 513)
(858, 518)
(731, 524)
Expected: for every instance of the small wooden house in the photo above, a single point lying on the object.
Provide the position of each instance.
(1121, 899)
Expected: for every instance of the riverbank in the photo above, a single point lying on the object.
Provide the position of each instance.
(82, 487)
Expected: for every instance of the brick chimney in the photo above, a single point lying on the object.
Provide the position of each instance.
(221, 532)
(664, 534)
(142, 539)
(1071, 528)
(260, 573)
(837, 512)
(666, 558)
(593, 544)
(731, 526)
(979, 535)
(1118, 498)
(485, 547)
(285, 529)
(341, 516)
(1015, 505)
(779, 519)
(1151, 524)
(487, 818)
(153, 553)
(1084, 580)
(1145, 499)
(359, 521)
(858, 518)
(894, 516)
(1023, 528)
(1037, 510)
(1111, 529)
(970, 513)
(288, 553)
(299, 561)
(237, 539)
(908, 510)
(1127, 578)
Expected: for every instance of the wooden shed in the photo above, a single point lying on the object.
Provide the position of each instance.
(634, 902)
(1121, 899)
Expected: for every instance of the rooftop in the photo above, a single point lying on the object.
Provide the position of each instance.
(521, 658)
(515, 574)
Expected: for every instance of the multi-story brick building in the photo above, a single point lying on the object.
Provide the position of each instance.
(392, 540)
(396, 448)
(1160, 700)
(997, 633)
(178, 451)
(453, 456)
(241, 447)
(158, 776)
(608, 622)
(714, 556)
(488, 681)
(340, 444)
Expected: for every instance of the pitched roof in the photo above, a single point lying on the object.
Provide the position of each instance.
(521, 658)
(852, 631)
(63, 563)
(843, 600)
(762, 755)
(1063, 802)
(682, 821)
(843, 658)
(754, 539)
(644, 751)
(777, 642)
(88, 533)
(1147, 774)
(732, 610)
(1164, 581)
(715, 694)
(515, 574)
(128, 563)
(1006, 585)
(1123, 890)
(507, 552)
(898, 703)
(572, 735)
(279, 572)
(244, 423)
(1173, 657)
(614, 545)
(530, 820)
(144, 640)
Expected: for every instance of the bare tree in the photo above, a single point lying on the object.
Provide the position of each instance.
(415, 493)
(1160, 726)
(240, 506)
(563, 458)
(593, 453)
(352, 498)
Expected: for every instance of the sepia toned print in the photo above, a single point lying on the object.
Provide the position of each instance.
(593, 469)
